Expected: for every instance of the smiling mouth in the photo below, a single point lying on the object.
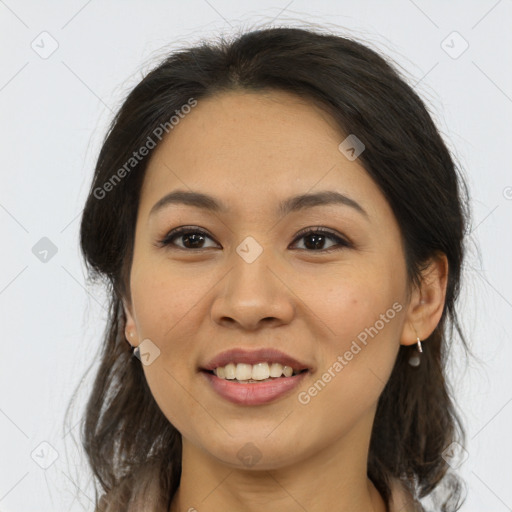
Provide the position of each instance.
(253, 392)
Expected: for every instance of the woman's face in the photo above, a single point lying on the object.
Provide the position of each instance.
(336, 303)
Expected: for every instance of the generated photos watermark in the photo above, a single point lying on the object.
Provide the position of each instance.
(138, 156)
(304, 397)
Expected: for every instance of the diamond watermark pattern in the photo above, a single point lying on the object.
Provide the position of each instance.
(44, 45)
(44, 455)
(455, 455)
(44, 250)
(351, 147)
(249, 454)
(454, 45)
(147, 352)
(249, 249)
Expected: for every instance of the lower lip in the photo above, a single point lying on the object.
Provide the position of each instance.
(253, 393)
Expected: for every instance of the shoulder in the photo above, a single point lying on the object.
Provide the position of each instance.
(402, 499)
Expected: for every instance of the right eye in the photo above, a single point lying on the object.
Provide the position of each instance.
(189, 234)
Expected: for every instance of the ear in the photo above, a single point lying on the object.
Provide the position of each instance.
(130, 330)
(427, 302)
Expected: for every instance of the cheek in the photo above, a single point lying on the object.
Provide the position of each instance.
(163, 297)
(164, 306)
(355, 360)
(352, 301)
(361, 314)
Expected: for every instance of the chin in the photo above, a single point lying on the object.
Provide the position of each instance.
(257, 452)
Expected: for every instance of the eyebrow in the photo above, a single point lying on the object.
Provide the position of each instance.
(291, 204)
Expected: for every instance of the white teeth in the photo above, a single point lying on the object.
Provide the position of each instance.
(260, 371)
(243, 371)
(229, 371)
(246, 372)
(276, 370)
(288, 372)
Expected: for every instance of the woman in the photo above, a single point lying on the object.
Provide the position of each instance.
(281, 227)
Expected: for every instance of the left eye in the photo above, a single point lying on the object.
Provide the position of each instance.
(195, 236)
(318, 235)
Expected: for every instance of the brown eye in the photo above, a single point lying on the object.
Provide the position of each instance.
(315, 240)
(192, 238)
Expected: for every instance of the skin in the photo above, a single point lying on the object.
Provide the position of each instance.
(250, 151)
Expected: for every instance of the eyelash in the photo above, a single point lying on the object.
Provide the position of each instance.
(187, 230)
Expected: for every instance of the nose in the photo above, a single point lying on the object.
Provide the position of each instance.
(254, 295)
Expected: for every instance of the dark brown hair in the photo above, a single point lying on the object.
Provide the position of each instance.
(129, 442)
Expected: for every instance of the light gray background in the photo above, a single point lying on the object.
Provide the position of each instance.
(54, 113)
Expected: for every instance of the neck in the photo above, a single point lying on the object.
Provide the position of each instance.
(334, 478)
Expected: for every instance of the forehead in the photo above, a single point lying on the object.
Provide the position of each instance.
(259, 147)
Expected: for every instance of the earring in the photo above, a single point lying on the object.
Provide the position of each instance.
(415, 359)
(135, 350)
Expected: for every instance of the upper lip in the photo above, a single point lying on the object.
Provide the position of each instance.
(262, 355)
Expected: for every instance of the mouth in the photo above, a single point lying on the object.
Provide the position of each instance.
(252, 392)
(253, 377)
